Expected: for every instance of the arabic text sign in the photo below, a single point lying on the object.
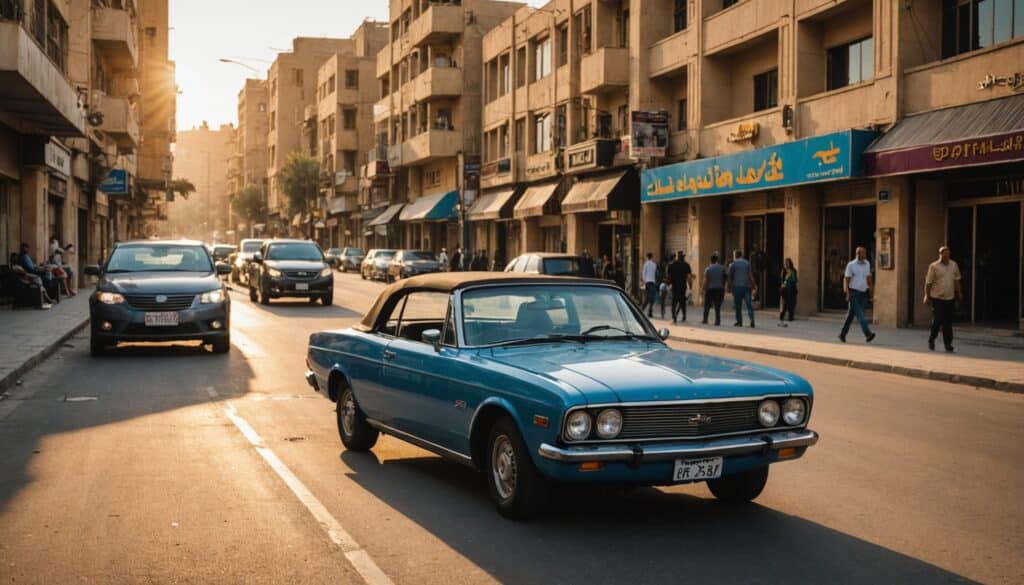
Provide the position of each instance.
(963, 153)
(116, 182)
(810, 160)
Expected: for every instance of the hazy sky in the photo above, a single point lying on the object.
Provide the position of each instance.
(251, 31)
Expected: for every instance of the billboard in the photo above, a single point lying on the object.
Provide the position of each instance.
(648, 134)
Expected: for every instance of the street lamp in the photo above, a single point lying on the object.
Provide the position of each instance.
(237, 62)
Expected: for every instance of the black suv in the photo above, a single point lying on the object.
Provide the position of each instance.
(290, 268)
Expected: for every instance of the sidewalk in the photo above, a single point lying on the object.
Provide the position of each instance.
(983, 358)
(29, 335)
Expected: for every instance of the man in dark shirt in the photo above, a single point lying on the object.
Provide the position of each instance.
(587, 265)
(679, 276)
(457, 260)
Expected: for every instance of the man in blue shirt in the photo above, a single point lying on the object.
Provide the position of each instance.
(26, 262)
(742, 283)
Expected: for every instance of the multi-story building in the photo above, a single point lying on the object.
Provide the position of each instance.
(248, 167)
(428, 120)
(157, 106)
(202, 156)
(346, 93)
(291, 86)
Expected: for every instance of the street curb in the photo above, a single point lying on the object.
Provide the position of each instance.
(34, 360)
(973, 381)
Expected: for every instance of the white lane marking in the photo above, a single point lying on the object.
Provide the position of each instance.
(356, 555)
(78, 399)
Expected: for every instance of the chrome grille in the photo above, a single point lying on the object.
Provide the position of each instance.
(688, 420)
(302, 274)
(149, 303)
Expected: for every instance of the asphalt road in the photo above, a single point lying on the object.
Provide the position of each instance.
(172, 464)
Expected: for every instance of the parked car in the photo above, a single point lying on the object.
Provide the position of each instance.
(534, 380)
(240, 261)
(159, 290)
(290, 268)
(546, 263)
(220, 252)
(408, 263)
(333, 256)
(351, 259)
(375, 265)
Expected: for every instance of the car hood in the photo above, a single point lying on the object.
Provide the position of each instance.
(159, 282)
(311, 265)
(633, 372)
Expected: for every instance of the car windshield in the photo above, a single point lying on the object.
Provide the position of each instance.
(334, 251)
(294, 251)
(251, 246)
(562, 266)
(503, 315)
(384, 255)
(223, 249)
(159, 258)
(418, 255)
(353, 252)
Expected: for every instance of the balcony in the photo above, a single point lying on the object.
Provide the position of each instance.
(955, 81)
(33, 90)
(114, 34)
(425, 147)
(437, 82)
(673, 53)
(741, 23)
(855, 106)
(346, 140)
(439, 22)
(382, 109)
(604, 70)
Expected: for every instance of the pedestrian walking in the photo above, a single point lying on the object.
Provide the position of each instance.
(442, 259)
(663, 293)
(714, 289)
(858, 285)
(942, 291)
(680, 276)
(456, 264)
(649, 276)
(587, 268)
(743, 284)
(788, 290)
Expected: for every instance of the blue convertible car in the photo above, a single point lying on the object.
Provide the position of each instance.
(535, 379)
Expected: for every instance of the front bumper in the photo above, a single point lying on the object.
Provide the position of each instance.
(285, 287)
(129, 324)
(761, 444)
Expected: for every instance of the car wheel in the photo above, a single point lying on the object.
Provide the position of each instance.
(222, 344)
(97, 347)
(738, 488)
(327, 299)
(517, 488)
(252, 293)
(356, 434)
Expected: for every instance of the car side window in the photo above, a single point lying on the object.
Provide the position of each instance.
(533, 265)
(423, 310)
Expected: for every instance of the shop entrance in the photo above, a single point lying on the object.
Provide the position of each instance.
(761, 237)
(985, 241)
(846, 227)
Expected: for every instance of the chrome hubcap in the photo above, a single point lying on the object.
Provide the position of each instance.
(503, 467)
(348, 413)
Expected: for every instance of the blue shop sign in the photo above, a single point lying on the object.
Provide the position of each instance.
(116, 182)
(809, 160)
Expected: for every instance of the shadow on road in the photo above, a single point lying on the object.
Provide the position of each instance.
(629, 535)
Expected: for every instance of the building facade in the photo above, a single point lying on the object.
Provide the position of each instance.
(203, 156)
(248, 166)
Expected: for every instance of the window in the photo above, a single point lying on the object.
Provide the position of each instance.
(541, 59)
(273, 155)
(56, 37)
(560, 126)
(351, 79)
(622, 118)
(432, 178)
(423, 310)
(297, 76)
(444, 119)
(505, 74)
(766, 90)
(624, 29)
(348, 161)
(681, 114)
(331, 81)
(541, 133)
(728, 3)
(273, 86)
(332, 124)
(262, 107)
(503, 141)
(679, 15)
(850, 63)
(348, 118)
(583, 25)
(563, 45)
(968, 25)
(520, 66)
(273, 120)
(520, 134)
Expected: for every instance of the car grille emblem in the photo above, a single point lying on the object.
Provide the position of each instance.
(700, 419)
(302, 274)
(161, 298)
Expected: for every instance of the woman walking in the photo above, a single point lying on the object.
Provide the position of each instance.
(788, 290)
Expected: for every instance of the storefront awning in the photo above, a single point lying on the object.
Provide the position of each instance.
(386, 216)
(431, 208)
(532, 203)
(494, 205)
(965, 136)
(593, 194)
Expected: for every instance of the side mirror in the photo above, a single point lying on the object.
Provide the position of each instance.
(431, 336)
(223, 268)
(257, 258)
(92, 269)
(663, 333)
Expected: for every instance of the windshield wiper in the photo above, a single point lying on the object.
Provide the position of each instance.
(588, 334)
(553, 338)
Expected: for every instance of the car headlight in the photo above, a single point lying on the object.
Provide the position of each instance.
(793, 411)
(768, 413)
(326, 271)
(273, 273)
(609, 423)
(211, 297)
(577, 426)
(110, 298)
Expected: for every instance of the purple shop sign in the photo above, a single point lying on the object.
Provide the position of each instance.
(946, 155)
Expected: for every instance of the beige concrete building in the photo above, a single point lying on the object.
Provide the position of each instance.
(346, 93)
(291, 87)
(202, 156)
(248, 165)
(156, 107)
(428, 121)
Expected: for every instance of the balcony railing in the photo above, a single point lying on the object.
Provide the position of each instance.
(113, 31)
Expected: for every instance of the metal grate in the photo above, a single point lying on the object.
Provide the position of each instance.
(149, 302)
(302, 274)
(688, 420)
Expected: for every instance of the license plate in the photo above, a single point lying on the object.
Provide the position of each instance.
(301, 286)
(697, 469)
(165, 319)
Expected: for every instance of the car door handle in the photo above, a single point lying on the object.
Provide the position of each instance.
(389, 355)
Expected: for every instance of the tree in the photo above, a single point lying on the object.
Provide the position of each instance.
(182, 187)
(300, 179)
(248, 203)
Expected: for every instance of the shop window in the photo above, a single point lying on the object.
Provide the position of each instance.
(681, 114)
(968, 25)
(679, 15)
(541, 133)
(348, 118)
(850, 63)
(766, 90)
(351, 79)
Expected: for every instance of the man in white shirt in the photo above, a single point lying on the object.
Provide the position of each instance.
(442, 259)
(649, 276)
(858, 284)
